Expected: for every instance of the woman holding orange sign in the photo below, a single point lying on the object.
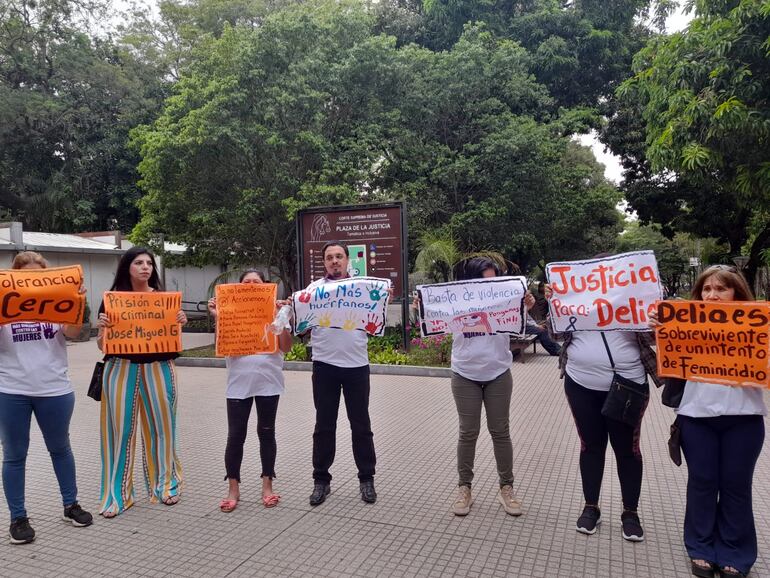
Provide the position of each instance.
(258, 380)
(34, 380)
(722, 432)
(138, 385)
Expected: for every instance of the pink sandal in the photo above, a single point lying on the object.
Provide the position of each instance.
(271, 501)
(227, 505)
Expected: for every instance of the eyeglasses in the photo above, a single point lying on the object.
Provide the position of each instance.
(729, 268)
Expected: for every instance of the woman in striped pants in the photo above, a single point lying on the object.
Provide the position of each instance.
(138, 389)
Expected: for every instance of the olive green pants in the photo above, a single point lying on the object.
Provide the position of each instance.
(495, 396)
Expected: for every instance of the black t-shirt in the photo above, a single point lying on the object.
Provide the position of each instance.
(141, 357)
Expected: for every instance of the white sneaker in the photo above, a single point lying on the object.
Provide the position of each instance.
(463, 502)
(511, 504)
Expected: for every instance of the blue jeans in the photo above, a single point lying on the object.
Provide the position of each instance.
(53, 415)
(545, 340)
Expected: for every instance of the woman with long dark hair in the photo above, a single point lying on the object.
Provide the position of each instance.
(722, 433)
(588, 362)
(481, 376)
(138, 389)
(252, 380)
(34, 380)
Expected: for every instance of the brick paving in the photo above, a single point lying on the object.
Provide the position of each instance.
(409, 532)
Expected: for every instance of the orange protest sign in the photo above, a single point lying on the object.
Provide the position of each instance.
(50, 295)
(142, 322)
(714, 342)
(244, 313)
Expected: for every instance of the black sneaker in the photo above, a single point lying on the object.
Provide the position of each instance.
(21, 532)
(77, 515)
(632, 527)
(588, 520)
(320, 491)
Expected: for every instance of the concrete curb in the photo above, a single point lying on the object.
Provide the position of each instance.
(375, 368)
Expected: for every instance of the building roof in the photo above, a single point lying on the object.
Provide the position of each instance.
(55, 242)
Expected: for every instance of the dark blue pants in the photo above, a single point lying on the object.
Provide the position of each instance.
(53, 415)
(545, 340)
(721, 453)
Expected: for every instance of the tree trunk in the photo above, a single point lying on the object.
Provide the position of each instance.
(755, 255)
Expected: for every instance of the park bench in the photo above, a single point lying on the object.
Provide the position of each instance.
(521, 342)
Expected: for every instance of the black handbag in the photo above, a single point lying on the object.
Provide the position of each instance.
(675, 443)
(95, 387)
(626, 400)
(673, 390)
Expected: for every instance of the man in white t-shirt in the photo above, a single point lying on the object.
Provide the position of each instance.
(340, 365)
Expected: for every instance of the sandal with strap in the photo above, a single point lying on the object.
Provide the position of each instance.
(227, 505)
(171, 500)
(271, 500)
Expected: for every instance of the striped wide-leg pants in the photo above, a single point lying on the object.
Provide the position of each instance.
(143, 393)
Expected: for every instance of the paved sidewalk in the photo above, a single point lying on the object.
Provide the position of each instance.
(408, 532)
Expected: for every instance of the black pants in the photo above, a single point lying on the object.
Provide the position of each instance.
(594, 429)
(353, 382)
(238, 411)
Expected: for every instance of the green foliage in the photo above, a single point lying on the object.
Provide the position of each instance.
(67, 102)
(388, 357)
(701, 96)
(673, 263)
(432, 351)
(298, 352)
(313, 108)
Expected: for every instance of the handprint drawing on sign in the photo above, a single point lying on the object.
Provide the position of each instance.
(305, 323)
(371, 326)
(375, 291)
(325, 320)
(48, 331)
(350, 322)
(304, 297)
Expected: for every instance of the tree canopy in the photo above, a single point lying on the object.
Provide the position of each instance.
(694, 127)
(315, 107)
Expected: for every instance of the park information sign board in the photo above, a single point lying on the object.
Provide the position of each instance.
(374, 234)
(725, 342)
(244, 314)
(608, 294)
(142, 322)
(491, 305)
(48, 295)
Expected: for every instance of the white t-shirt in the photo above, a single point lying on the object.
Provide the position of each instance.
(589, 365)
(479, 356)
(33, 360)
(338, 346)
(713, 399)
(252, 375)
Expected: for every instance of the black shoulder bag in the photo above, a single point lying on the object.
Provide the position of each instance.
(95, 387)
(626, 400)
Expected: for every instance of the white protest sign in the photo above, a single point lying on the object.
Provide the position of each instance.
(613, 293)
(355, 303)
(489, 305)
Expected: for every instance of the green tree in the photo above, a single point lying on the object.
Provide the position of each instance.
(314, 107)
(67, 102)
(672, 262)
(705, 116)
